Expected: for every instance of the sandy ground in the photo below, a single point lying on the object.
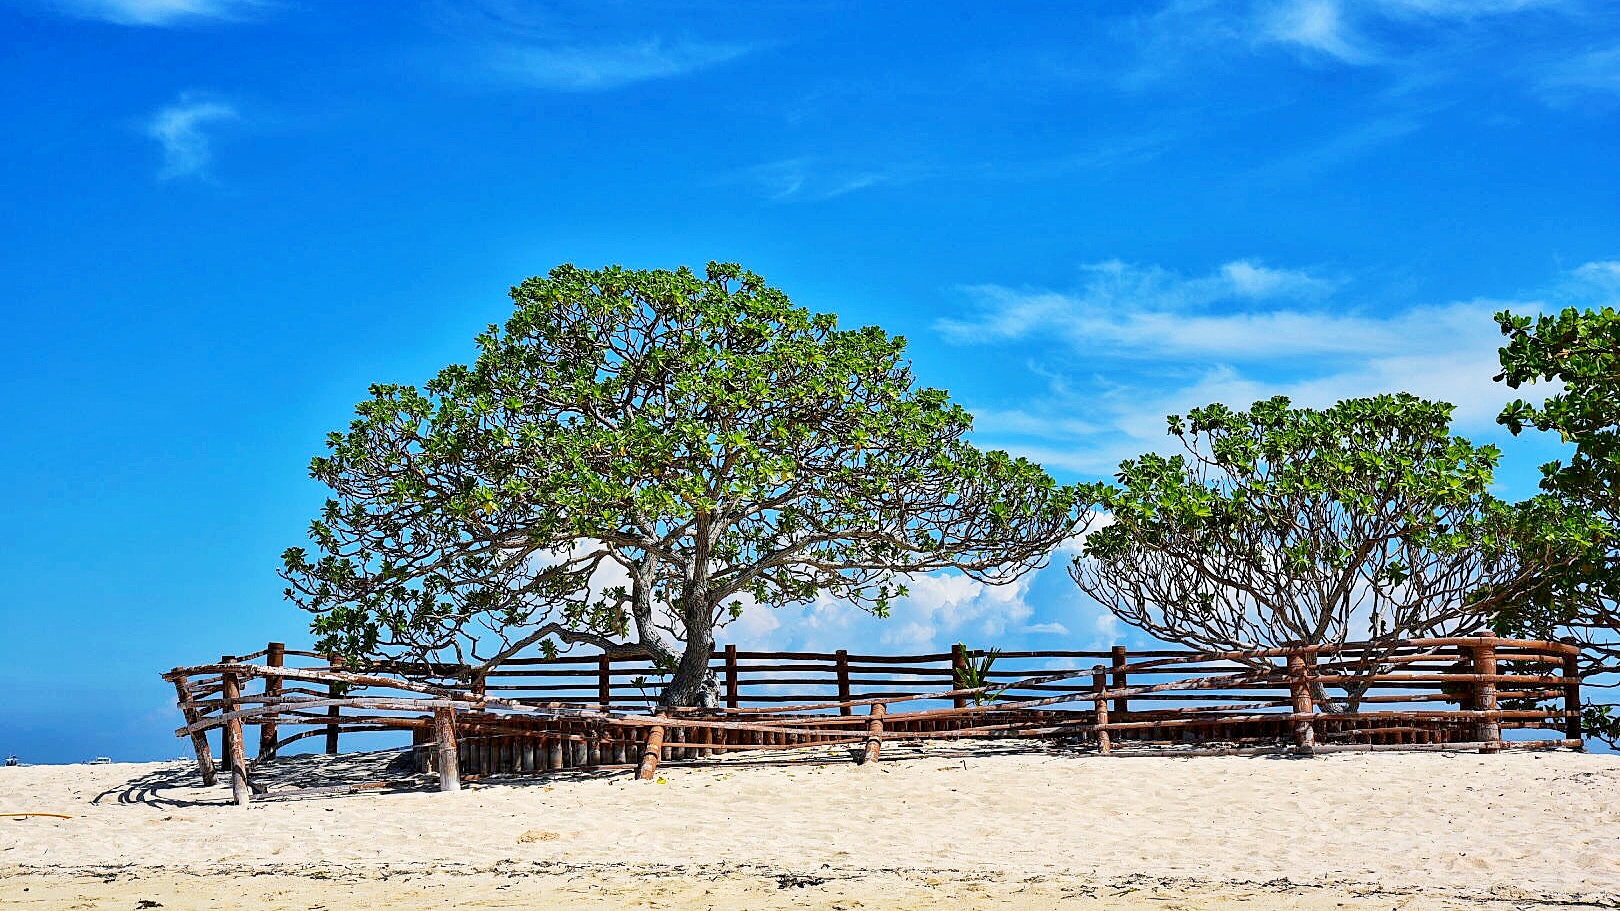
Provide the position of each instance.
(1033, 829)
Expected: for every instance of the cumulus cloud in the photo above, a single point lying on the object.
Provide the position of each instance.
(181, 129)
(162, 12)
(942, 608)
(604, 67)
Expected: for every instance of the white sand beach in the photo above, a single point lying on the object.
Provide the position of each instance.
(944, 829)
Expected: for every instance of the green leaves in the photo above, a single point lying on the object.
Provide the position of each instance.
(697, 433)
(1578, 514)
(1283, 525)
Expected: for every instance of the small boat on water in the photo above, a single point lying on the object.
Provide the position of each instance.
(13, 760)
(101, 760)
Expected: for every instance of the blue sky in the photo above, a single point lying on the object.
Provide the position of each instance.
(227, 217)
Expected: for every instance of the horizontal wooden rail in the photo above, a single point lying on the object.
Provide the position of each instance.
(536, 714)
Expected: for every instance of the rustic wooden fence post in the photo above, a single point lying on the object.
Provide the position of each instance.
(874, 735)
(733, 688)
(235, 754)
(1299, 688)
(841, 661)
(1122, 708)
(959, 663)
(1572, 697)
(604, 682)
(1099, 684)
(199, 739)
(446, 752)
(1488, 729)
(333, 691)
(275, 656)
(651, 753)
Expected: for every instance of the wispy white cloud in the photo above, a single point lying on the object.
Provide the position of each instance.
(1591, 72)
(811, 178)
(578, 68)
(1603, 277)
(1317, 25)
(1341, 30)
(1186, 34)
(1460, 9)
(181, 129)
(1154, 310)
(163, 12)
(1165, 347)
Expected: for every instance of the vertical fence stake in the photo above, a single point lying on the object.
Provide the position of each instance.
(333, 691)
(1099, 683)
(1299, 687)
(1489, 727)
(958, 670)
(841, 659)
(1122, 707)
(874, 732)
(732, 683)
(233, 747)
(604, 682)
(444, 745)
(275, 656)
(651, 752)
(199, 739)
(1572, 698)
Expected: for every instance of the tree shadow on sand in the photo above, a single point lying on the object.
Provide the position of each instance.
(313, 774)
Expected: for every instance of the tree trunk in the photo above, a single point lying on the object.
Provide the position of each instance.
(693, 684)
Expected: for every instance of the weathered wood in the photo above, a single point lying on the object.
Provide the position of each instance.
(334, 691)
(1099, 681)
(841, 668)
(199, 738)
(874, 735)
(1121, 680)
(733, 683)
(275, 656)
(233, 747)
(651, 753)
(1572, 698)
(1488, 730)
(516, 735)
(1299, 688)
(604, 682)
(445, 750)
(958, 668)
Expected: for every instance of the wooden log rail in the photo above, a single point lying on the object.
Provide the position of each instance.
(532, 715)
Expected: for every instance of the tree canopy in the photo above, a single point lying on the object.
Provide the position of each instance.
(634, 459)
(1282, 526)
(1580, 350)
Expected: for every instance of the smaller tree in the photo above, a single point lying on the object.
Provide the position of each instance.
(1580, 349)
(1285, 526)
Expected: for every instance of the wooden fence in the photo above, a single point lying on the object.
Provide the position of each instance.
(535, 714)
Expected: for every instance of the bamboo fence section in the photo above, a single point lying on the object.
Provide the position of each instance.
(596, 711)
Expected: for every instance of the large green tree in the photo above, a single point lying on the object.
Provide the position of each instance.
(1280, 526)
(632, 460)
(1580, 350)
